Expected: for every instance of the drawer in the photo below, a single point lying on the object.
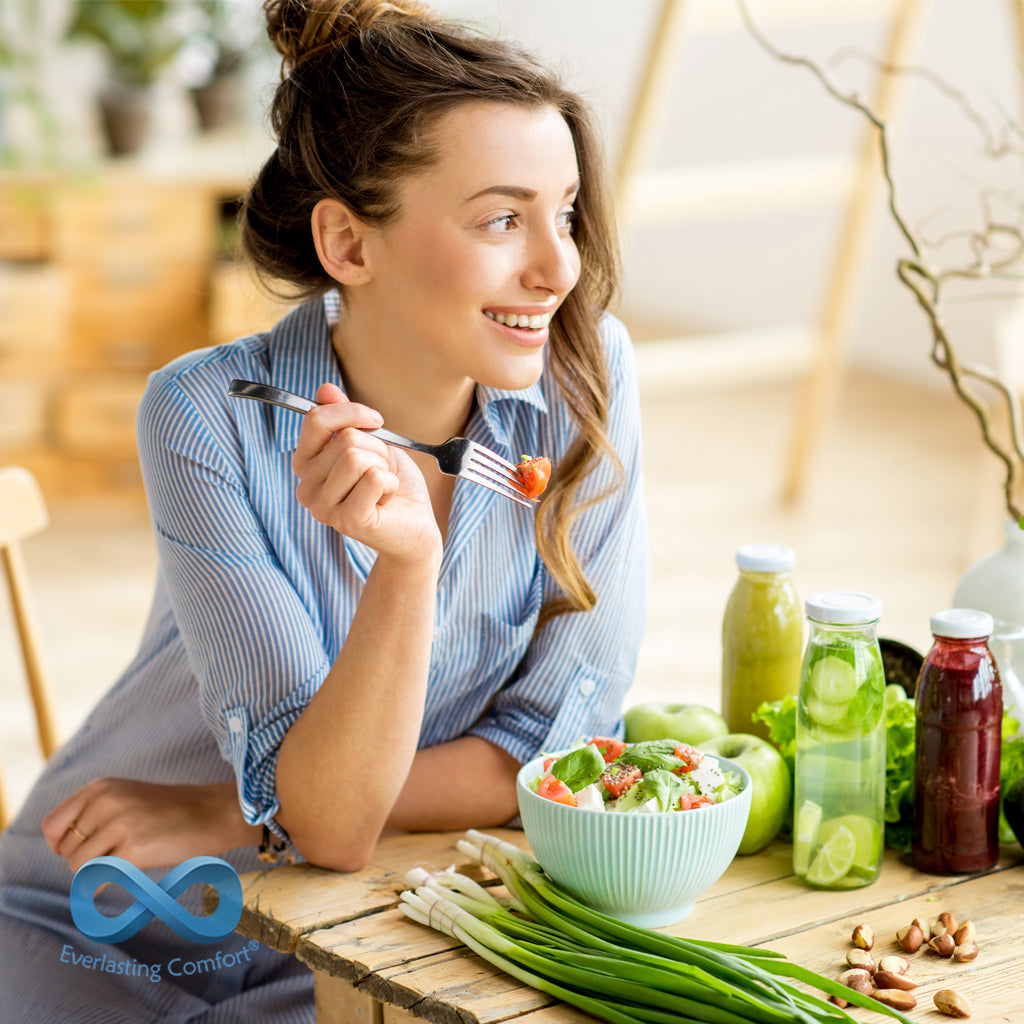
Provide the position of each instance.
(34, 322)
(134, 219)
(24, 422)
(96, 416)
(136, 317)
(25, 218)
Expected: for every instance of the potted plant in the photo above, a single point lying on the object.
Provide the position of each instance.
(140, 39)
(225, 40)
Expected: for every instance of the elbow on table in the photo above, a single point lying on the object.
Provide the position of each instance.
(335, 853)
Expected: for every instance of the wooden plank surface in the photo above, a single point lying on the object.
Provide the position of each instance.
(283, 903)
(349, 927)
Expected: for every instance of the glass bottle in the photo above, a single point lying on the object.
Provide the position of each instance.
(762, 635)
(957, 747)
(839, 796)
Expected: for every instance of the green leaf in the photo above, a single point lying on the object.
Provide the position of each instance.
(580, 767)
(1011, 768)
(650, 754)
(665, 787)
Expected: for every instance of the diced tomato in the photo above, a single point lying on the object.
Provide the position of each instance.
(548, 762)
(690, 756)
(555, 789)
(690, 800)
(618, 779)
(610, 749)
(534, 474)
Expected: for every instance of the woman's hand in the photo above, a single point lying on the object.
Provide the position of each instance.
(148, 824)
(357, 484)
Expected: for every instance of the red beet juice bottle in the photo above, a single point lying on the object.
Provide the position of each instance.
(956, 762)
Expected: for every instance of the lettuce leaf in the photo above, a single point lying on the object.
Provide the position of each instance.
(1011, 768)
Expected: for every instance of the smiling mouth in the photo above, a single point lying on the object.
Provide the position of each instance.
(524, 321)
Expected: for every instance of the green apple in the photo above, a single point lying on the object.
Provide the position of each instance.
(772, 785)
(687, 723)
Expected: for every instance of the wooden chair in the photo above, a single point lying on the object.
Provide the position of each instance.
(23, 514)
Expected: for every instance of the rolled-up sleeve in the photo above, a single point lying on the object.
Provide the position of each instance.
(255, 650)
(571, 682)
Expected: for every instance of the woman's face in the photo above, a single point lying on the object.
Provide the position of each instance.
(466, 278)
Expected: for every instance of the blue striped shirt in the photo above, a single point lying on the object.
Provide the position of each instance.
(252, 603)
(263, 594)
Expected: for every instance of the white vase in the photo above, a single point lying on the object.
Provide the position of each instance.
(995, 584)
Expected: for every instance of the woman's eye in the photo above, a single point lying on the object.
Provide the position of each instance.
(568, 218)
(502, 223)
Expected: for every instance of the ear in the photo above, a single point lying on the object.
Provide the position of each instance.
(338, 236)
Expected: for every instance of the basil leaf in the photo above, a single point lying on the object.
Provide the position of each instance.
(664, 787)
(651, 755)
(580, 767)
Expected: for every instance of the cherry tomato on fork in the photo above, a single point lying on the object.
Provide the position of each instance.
(534, 474)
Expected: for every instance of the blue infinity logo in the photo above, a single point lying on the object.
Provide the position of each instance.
(156, 900)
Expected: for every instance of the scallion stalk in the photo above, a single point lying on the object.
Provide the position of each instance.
(737, 979)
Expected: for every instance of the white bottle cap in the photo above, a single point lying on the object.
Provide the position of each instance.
(962, 624)
(843, 607)
(765, 558)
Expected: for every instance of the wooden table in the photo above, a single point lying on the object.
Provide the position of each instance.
(373, 965)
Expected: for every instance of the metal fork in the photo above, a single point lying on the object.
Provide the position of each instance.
(458, 456)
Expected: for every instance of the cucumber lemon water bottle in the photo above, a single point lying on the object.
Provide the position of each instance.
(839, 798)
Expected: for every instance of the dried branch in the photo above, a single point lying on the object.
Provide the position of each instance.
(920, 271)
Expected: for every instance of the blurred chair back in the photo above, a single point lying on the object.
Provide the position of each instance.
(22, 514)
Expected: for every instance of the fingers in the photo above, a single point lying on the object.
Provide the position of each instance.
(344, 472)
(58, 823)
(334, 414)
(80, 828)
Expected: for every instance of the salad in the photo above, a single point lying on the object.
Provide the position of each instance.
(655, 776)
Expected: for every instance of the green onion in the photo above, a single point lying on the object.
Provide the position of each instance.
(544, 937)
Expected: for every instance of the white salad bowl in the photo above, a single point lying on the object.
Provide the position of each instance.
(644, 868)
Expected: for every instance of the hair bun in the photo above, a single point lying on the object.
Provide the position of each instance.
(300, 29)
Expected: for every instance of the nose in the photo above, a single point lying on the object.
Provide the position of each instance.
(552, 263)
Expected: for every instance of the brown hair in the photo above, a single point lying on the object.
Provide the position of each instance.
(363, 82)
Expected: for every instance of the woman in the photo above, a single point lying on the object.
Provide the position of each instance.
(343, 640)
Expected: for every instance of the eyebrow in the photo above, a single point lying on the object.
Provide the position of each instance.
(517, 192)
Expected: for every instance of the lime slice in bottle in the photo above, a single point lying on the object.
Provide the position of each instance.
(834, 859)
(805, 833)
(867, 840)
(833, 680)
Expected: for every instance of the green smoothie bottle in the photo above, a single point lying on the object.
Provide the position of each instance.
(839, 796)
(762, 635)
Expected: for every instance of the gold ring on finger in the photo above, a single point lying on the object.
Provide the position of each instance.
(78, 835)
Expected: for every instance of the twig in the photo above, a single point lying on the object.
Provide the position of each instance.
(925, 280)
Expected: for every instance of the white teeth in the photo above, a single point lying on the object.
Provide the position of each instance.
(533, 321)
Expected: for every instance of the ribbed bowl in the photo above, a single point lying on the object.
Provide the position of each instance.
(647, 869)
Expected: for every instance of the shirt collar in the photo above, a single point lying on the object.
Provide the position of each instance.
(301, 359)
(498, 408)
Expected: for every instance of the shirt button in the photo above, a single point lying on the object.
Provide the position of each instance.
(234, 725)
(587, 687)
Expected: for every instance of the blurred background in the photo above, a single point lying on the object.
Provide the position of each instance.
(787, 389)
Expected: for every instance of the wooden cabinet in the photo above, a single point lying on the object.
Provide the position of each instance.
(103, 279)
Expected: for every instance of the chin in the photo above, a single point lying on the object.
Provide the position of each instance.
(513, 378)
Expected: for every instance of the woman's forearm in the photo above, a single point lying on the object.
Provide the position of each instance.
(465, 783)
(345, 760)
